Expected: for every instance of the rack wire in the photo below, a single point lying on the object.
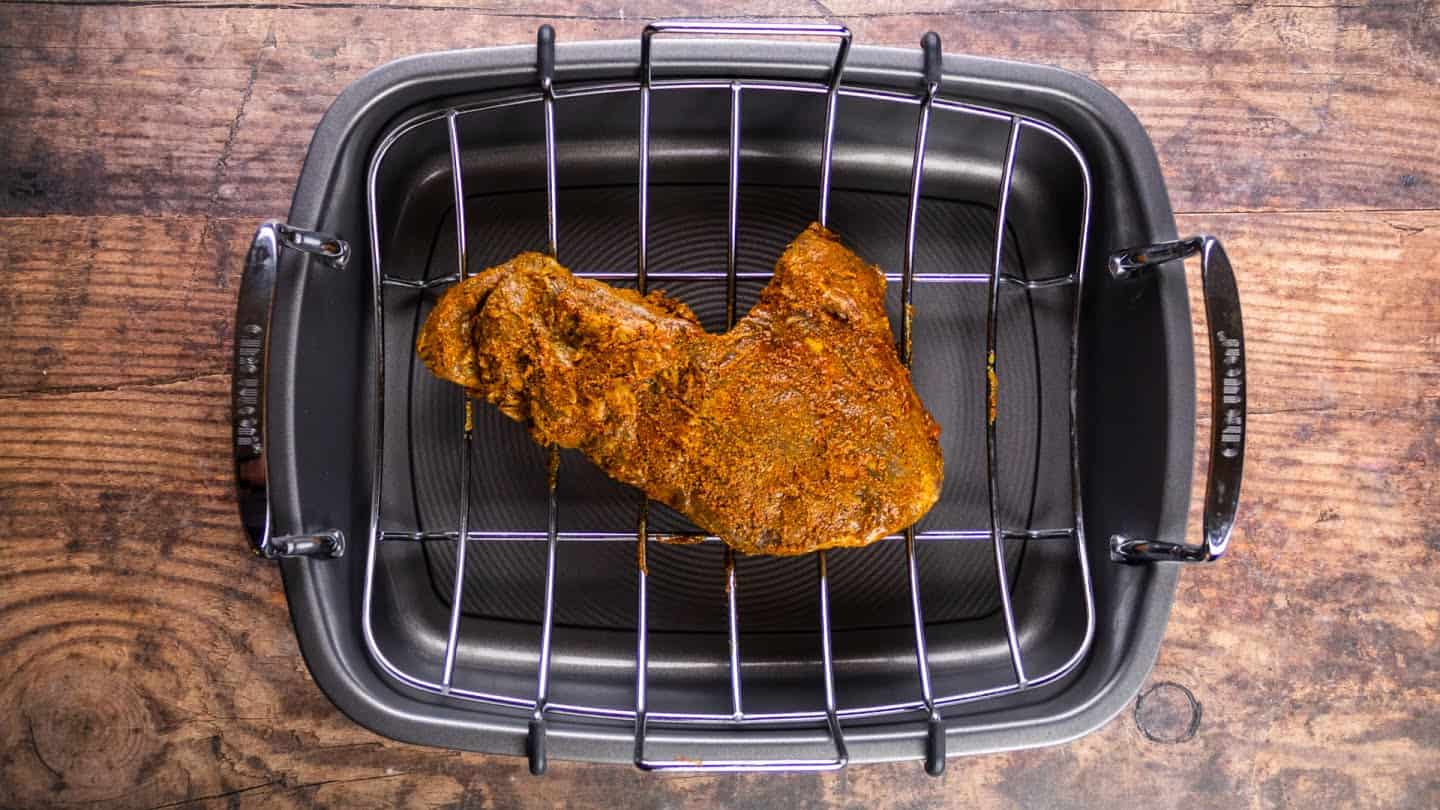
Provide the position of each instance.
(928, 706)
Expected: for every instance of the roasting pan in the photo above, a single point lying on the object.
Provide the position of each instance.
(453, 585)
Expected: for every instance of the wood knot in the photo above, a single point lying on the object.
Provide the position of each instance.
(80, 730)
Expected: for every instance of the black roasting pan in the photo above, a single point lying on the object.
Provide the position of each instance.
(1042, 230)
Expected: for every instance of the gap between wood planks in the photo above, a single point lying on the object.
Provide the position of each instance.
(273, 782)
(71, 390)
(495, 11)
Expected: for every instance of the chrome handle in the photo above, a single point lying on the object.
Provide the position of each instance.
(1227, 397)
(252, 344)
(745, 28)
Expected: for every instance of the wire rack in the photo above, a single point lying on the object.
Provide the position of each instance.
(927, 707)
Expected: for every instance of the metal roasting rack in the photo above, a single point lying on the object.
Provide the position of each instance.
(928, 708)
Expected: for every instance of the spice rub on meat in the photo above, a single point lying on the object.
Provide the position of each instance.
(795, 431)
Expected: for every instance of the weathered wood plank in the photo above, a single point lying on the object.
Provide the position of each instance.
(210, 109)
(1340, 310)
(104, 301)
(104, 113)
(1250, 107)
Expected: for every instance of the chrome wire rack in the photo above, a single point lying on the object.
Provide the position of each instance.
(927, 707)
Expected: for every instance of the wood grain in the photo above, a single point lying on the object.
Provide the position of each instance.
(1251, 106)
(100, 301)
(150, 661)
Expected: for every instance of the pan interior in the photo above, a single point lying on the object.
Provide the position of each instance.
(502, 584)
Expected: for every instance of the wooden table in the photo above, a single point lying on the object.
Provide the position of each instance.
(146, 660)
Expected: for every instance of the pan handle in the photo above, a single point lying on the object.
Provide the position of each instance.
(1227, 397)
(745, 28)
(252, 344)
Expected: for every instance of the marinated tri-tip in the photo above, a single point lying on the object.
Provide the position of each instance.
(797, 430)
